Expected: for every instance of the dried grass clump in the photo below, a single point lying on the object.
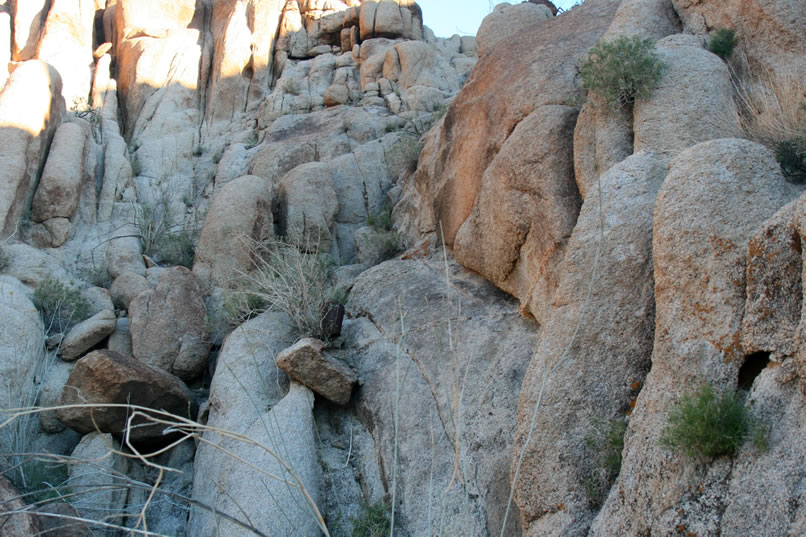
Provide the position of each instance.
(285, 278)
(772, 112)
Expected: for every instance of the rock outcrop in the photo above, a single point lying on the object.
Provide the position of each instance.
(169, 325)
(108, 378)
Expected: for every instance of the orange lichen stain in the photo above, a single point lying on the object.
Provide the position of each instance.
(699, 308)
(635, 385)
(633, 402)
(418, 252)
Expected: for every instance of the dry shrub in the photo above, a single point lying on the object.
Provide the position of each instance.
(771, 106)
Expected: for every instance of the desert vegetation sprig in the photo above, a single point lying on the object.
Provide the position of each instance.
(622, 70)
(722, 43)
(60, 305)
(705, 424)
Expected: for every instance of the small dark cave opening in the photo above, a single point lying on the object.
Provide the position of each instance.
(752, 367)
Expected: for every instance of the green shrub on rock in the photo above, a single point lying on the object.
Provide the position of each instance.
(723, 42)
(791, 155)
(704, 424)
(61, 306)
(622, 70)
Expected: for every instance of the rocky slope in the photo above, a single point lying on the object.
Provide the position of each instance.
(559, 266)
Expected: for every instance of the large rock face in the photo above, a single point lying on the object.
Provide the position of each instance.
(21, 350)
(526, 208)
(715, 196)
(441, 358)
(25, 133)
(169, 325)
(250, 397)
(481, 120)
(585, 372)
(239, 217)
(20, 522)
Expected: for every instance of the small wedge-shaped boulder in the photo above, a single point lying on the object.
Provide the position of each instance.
(329, 377)
(85, 335)
(21, 523)
(107, 378)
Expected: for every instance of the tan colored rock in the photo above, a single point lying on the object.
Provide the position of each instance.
(28, 17)
(530, 69)
(598, 374)
(307, 363)
(390, 18)
(507, 20)
(770, 31)
(774, 287)
(60, 185)
(108, 378)
(51, 233)
(59, 520)
(5, 43)
(716, 196)
(169, 325)
(117, 174)
(654, 19)
(239, 216)
(525, 210)
(22, 522)
(30, 110)
(243, 36)
(67, 44)
(151, 18)
(603, 137)
(124, 254)
(308, 206)
(86, 334)
(693, 102)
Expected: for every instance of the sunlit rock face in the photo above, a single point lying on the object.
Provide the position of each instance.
(509, 270)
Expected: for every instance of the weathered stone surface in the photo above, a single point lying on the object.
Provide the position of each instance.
(66, 44)
(21, 348)
(594, 377)
(87, 334)
(108, 378)
(654, 19)
(169, 325)
(5, 43)
(51, 233)
(307, 363)
(127, 287)
(308, 206)
(50, 394)
(124, 254)
(152, 18)
(32, 266)
(693, 102)
(120, 340)
(529, 70)
(97, 475)
(60, 185)
(390, 18)
(30, 110)
(250, 396)
(772, 311)
(507, 20)
(717, 194)
(22, 522)
(239, 216)
(447, 356)
(525, 210)
(27, 19)
(770, 30)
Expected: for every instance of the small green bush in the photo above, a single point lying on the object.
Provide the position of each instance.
(61, 307)
(373, 521)
(704, 424)
(165, 243)
(622, 70)
(382, 220)
(723, 42)
(791, 155)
